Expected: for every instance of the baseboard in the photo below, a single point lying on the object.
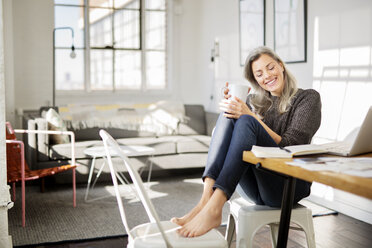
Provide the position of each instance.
(346, 203)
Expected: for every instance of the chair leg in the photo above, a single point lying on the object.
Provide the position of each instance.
(23, 204)
(14, 191)
(74, 187)
(245, 240)
(92, 165)
(230, 230)
(42, 185)
(309, 230)
(274, 229)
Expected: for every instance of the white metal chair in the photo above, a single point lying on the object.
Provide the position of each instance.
(156, 233)
(246, 219)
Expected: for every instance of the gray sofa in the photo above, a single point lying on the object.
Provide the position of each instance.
(186, 149)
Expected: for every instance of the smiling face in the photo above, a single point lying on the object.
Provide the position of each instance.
(269, 74)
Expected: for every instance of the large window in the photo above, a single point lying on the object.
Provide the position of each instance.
(120, 45)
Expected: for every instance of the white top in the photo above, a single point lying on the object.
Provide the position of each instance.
(130, 151)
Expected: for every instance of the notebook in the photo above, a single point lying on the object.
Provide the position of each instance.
(287, 152)
(361, 144)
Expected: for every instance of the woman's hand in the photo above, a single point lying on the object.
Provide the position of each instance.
(234, 108)
(226, 94)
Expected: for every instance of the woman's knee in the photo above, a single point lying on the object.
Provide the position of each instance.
(247, 118)
(247, 121)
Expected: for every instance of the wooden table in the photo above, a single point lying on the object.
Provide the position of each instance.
(357, 185)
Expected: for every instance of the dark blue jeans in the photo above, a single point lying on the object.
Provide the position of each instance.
(225, 165)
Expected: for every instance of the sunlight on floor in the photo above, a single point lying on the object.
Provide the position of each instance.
(128, 191)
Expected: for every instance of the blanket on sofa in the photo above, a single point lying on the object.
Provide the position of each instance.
(161, 118)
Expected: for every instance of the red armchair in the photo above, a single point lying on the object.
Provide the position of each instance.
(18, 170)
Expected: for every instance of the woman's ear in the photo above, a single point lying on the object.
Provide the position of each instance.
(282, 66)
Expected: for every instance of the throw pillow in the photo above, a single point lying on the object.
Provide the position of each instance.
(56, 123)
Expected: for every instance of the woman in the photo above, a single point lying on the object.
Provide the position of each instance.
(277, 114)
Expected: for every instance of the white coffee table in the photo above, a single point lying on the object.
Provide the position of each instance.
(130, 151)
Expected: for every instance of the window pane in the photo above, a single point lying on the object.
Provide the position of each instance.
(75, 2)
(128, 69)
(131, 4)
(101, 3)
(155, 4)
(101, 69)
(127, 29)
(155, 30)
(69, 17)
(69, 72)
(155, 70)
(100, 27)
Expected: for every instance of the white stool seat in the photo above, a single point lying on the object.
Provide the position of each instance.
(247, 218)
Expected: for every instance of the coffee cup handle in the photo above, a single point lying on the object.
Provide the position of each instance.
(223, 91)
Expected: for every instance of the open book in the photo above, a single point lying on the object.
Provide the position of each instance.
(287, 152)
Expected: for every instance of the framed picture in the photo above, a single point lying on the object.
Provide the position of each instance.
(290, 28)
(251, 26)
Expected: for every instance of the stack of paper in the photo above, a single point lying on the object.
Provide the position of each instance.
(361, 166)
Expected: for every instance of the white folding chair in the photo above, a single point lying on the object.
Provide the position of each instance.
(156, 233)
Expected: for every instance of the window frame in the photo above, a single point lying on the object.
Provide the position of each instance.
(142, 49)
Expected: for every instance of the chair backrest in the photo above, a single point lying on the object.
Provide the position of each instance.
(14, 155)
(10, 134)
(109, 142)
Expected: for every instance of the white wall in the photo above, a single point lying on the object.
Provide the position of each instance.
(341, 49)
(32, 37)
(8, 56)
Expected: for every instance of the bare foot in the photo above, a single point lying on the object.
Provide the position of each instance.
(204, 221)
(208, 218)
(189, 216)
(207, 194)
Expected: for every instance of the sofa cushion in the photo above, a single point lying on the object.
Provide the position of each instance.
(193, 143)
(164, 145)
(117, 133)
(55, 123)
(178, 161)
(195, 123)
(63, 151)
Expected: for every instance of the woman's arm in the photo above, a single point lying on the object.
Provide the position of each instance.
(236, 108)
(305, 118)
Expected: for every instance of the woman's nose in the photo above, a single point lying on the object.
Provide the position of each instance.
(266, 74)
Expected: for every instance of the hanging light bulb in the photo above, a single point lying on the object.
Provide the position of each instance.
(72, 54)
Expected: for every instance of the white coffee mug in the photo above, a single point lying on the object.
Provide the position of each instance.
(238, 90)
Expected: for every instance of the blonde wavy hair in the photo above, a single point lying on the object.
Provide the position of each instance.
(261, 101)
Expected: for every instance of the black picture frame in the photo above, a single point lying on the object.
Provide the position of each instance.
(290, 30)
(251, 26)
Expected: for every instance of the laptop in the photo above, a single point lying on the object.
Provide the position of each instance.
(361, 144)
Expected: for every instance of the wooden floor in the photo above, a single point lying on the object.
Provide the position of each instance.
(330, 232)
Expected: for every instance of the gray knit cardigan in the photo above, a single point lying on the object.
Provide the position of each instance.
(299, 124)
